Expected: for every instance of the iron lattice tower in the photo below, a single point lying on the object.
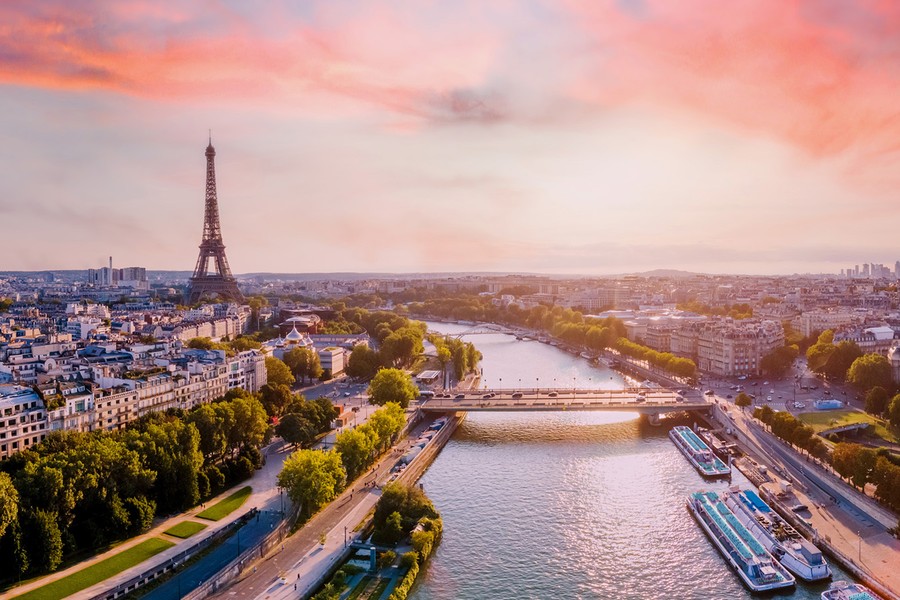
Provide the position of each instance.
(218, 282)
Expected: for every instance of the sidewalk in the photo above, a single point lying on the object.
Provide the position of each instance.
(265, 496)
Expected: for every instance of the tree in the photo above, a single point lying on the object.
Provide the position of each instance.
(275, 397)
(387, 422)
(392, 385)
(200, 343)
(295, 429)
(777, 362)
(312, 478)
(877, 400)
(356, 448)
(840, 360)
(363, 362)
(277, 372)
(303, 363)
(402, 346)
(894, 412)
(171, 449)
(214, 423)
(250, 423)
(44, 541)
(9, 502)
(742, 400)
(819, 353)
(242, 344)
(870, 370)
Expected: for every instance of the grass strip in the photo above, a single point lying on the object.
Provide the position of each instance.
(829, 419)
(224, 507)
(101, 571)
(185, 529)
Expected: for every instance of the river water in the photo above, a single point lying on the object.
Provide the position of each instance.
(568, 504)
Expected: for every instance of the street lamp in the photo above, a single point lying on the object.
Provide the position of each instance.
(500, 391)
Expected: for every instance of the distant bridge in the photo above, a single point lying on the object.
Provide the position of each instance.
(650, 402)
(486, 329)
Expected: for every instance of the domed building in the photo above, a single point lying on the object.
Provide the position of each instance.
(294, 339)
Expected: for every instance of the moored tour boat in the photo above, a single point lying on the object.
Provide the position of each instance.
(755, 566)
(843, 590)
(698, 453)
(791, 549)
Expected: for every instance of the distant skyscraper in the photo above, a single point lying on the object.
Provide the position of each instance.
(219, 282)
(897, 269)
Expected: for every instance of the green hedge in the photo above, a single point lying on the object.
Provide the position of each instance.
(402, 590)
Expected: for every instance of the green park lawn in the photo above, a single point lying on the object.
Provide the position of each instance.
(228, 505)
(829, 419)
(85, 578)
(185, 529)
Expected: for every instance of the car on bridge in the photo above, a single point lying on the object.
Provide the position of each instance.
(640, 398)
(459, 396)
(517, 395)
(552, 395)
(679, 398)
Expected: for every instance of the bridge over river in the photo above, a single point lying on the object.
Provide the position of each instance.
(649, 402)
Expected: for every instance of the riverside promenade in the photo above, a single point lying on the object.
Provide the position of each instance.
(845, 522)
(302, 564)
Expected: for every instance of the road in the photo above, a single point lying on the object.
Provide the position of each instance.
(276, 576)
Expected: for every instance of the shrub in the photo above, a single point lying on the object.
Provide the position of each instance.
(387, 558)
(409, 559)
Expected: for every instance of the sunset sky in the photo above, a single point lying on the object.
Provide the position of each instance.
(558, 136)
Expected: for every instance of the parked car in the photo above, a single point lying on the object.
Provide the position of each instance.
(517, 395)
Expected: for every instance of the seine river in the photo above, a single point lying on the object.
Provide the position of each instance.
(567, 505)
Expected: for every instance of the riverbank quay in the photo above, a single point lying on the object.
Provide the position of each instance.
(843, 530)
(302, 560)
(317, 573)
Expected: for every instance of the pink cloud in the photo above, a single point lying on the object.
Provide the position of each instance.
(801, 71)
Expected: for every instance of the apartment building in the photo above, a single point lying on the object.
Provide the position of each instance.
(23, 419)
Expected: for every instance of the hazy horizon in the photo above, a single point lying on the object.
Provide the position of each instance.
(606, 137)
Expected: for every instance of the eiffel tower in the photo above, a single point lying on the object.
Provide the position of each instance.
(220, 282)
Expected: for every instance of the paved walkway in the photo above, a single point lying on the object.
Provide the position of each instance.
(265, 496)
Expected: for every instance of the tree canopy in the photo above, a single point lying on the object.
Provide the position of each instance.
(392, 385)
(278, 373)
(312, 478)
(870, 370)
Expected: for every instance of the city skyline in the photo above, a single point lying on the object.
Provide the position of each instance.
(594, 138)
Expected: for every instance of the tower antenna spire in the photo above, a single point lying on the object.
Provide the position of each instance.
(212, 276)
